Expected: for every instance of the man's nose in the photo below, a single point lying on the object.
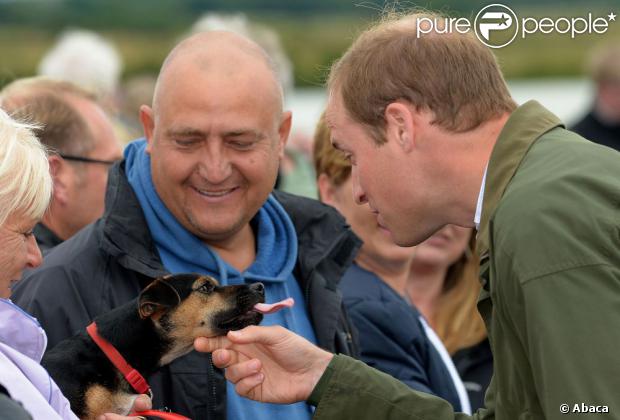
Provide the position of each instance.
(358, 193)
(215, 165)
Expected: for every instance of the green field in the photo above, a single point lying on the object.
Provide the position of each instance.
(312, 43)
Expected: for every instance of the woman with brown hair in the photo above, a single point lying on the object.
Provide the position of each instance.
(443, 284)
(393, 335)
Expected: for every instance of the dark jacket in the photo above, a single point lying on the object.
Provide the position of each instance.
(392, 337)
(46, 239)
(592, 128)
(475, 366)
(11, 409)
(109, 262)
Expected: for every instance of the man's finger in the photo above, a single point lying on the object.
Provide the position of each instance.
(111, 416)
(256, 334)
(237, 372)
(248, 386)
(224, 358)
(142, 403)
(208, 345)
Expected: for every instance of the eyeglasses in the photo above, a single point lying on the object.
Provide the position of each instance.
(87, 160)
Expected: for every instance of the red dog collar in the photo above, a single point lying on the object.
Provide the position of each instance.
(160, 414)
(135, 379)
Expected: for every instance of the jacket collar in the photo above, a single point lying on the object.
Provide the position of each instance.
(125, 233)
(526, 124)
(323, 236)
(21, 331)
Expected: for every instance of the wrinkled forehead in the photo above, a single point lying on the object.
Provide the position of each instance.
(225, 72)
(219, 101)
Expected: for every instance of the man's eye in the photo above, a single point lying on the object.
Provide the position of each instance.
(348, 157)
(185, 143)
(241, 145)
(28, 234)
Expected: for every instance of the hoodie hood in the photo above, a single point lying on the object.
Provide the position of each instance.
(182, 251)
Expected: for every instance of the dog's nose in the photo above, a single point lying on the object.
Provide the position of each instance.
(258, 287)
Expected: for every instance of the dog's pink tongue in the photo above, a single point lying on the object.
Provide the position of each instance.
(269, 308)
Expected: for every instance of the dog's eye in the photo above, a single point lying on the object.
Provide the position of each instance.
(206, 288)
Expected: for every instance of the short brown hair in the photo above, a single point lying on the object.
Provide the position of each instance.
(45, 102)
(453, 75)
(328, 160)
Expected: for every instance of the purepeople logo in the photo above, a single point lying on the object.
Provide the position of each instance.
(497, 25)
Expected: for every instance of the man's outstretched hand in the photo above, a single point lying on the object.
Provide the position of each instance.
(268, 364)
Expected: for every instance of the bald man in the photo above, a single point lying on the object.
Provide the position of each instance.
(196, 195)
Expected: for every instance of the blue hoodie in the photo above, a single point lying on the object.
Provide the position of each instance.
(182, 251)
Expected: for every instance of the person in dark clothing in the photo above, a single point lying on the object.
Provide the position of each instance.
(602, 123)
(444, 285)
(475, 365)
(83, 146)
(196, 196)
(11, 409)
(394, 337)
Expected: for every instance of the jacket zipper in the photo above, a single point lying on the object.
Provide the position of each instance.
(213, 396)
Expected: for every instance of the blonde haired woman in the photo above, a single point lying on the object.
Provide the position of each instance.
(25, 191)
(444, 286)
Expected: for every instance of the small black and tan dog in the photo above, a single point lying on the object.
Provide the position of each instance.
(149, 332)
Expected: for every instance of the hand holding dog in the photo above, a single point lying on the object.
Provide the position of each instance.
(142, 403)
(268, 364)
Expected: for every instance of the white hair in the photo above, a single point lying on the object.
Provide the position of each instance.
(265, 37)
(86, 59)
(25, 180)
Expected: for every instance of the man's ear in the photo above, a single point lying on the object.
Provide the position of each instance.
(326, 189)
(148, 125)
(399, 125)
(156, 298)
(284, 131)
(60, 175)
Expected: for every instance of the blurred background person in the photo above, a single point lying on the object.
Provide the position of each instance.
(92, 62)
(443, 284)
(86, 59)
(135, 91)
(82, 143)
(393, 335)
(25, 191)
(602, 122)
(296, 174)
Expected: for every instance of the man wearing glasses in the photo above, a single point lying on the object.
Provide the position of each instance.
(83, 146)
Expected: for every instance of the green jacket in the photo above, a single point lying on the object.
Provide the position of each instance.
(549, 242)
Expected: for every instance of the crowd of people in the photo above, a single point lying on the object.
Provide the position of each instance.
(461, 260)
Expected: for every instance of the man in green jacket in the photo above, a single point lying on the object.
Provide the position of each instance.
(434, 138)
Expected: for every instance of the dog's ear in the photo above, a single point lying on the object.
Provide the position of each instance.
(156, 298)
